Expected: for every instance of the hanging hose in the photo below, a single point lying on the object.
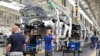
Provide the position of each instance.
(63, 9)
(57, 24)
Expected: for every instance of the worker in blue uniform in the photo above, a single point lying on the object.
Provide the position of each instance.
(48, 43)
(32, 42)
(93, 40)
(16, 43)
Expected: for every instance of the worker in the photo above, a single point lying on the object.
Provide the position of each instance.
(48, 43)
(32, 42)
(16, 43)
(92, 44)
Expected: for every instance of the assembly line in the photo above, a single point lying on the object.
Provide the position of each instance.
(48, 28)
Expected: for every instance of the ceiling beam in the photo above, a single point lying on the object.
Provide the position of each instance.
(88, 3)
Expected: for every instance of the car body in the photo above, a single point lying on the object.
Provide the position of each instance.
(1, 38)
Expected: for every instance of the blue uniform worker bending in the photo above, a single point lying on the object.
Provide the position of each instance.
(94, 39)
(48, 43)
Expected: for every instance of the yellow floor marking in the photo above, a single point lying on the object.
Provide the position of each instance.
(93, 53)
(42, 51)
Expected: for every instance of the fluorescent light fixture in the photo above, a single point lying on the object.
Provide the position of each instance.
(72, 2)
(10, 5)
(81, 11)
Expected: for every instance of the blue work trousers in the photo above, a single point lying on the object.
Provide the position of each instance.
(92, 45)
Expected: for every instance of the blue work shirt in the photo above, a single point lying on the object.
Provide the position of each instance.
(33, 41)
(48, 42)
(17, 41)
(93, 39)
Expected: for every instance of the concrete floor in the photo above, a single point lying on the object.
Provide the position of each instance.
(1, 51)
(86, 51)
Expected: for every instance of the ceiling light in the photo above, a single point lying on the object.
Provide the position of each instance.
(10, 5)
(81, 11)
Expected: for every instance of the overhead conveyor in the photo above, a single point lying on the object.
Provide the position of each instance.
(92, 14)
(82, 12)
(63, 9)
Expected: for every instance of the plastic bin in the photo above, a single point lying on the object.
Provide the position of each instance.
(30, 49)
(98, 49)
(74, 46)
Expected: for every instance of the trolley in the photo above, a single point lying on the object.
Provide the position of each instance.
(98, 49)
